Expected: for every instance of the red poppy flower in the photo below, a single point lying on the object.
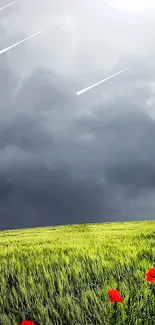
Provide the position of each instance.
(150, 275)
(27, 322)
(114, 296)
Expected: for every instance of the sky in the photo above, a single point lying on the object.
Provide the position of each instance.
(133, 6)
(64, 158)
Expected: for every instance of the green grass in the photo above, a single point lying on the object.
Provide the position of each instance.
(61, 275)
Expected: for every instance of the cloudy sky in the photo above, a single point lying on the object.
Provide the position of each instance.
(77, 159)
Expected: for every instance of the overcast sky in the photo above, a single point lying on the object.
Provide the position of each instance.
(77, 159)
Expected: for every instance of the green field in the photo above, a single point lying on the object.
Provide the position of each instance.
(61, 275)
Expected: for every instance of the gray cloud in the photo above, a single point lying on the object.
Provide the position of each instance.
(52, 197)
(68, 159)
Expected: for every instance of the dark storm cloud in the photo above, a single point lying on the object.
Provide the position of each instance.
(67, 159)
(5, 188)
(138, 174)
(83, 188)
(51, 197)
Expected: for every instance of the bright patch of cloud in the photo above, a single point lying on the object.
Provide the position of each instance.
(133, 6)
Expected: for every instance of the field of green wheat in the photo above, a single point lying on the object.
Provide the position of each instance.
(61, 275)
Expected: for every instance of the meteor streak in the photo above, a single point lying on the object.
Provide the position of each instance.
(96, 84)
(24, 40)
(10, 4)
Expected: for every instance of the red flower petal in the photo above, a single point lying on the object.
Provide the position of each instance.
(150, 275)
(114, 296)
(152, 272)
(150, 278)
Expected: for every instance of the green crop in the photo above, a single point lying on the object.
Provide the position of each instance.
(61, 275)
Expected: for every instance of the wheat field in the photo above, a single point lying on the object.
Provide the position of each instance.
(61, 275)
